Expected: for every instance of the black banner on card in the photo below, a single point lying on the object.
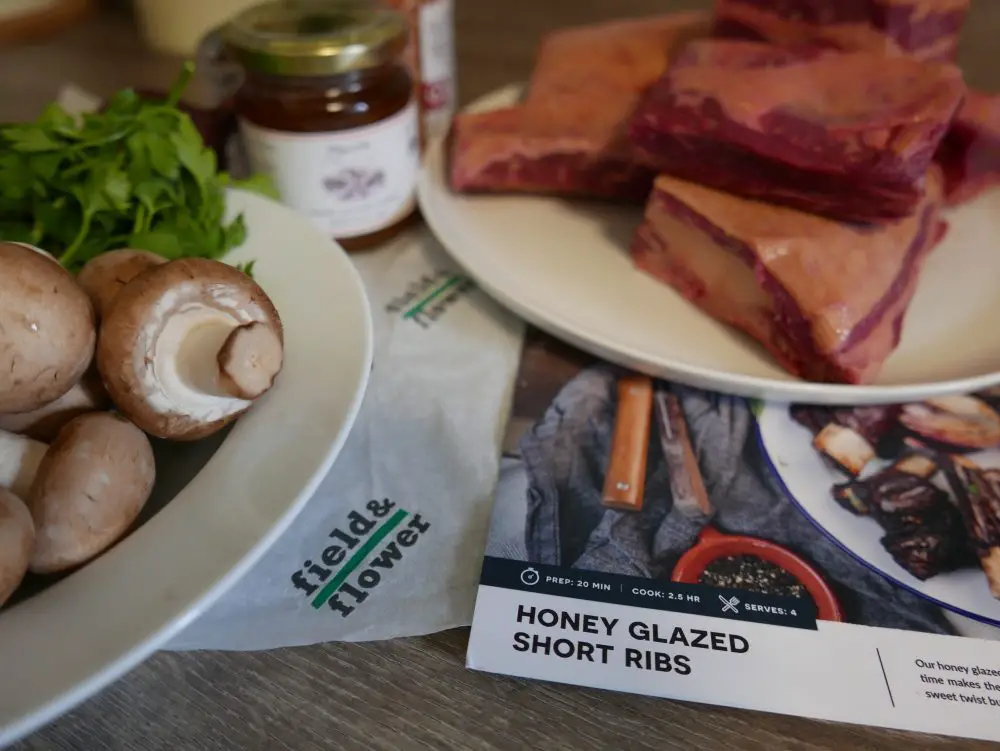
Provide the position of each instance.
(634, 591)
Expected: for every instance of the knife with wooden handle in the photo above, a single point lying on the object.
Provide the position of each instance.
(625, 479)
(686, 484)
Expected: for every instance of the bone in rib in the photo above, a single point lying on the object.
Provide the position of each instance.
(977, 491)
(923, 527)
(876, 425)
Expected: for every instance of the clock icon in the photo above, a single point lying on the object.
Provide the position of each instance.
(530, 577)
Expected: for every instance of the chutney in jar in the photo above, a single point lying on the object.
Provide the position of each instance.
(326, 109)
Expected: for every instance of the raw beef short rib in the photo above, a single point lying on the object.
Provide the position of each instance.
(826, 299)
(926, 29)
(970, 152)
(621, 57)
(845, 135)
(531, 150)
(569, 136)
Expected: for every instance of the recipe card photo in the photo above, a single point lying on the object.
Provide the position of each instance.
(831, 562)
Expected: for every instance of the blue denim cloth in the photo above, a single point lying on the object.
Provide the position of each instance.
(565, 455)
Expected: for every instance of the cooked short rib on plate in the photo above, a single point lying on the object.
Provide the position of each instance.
(923, 527)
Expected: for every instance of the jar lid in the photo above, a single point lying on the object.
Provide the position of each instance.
(315, 37)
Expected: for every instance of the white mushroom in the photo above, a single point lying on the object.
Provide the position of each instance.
(19, 460)
(188, 346)
(104, 276)
(85, 490)
(44, 423)
(17, 540)
(47, 329)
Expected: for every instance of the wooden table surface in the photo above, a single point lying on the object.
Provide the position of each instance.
(412, 693)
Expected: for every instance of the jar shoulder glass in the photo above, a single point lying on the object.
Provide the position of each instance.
(324, 104)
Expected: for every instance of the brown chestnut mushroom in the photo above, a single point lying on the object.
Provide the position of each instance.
(17, 540)
(188, 346)
(44, 423)
(104, 276)
(87, 489)
(48, 329)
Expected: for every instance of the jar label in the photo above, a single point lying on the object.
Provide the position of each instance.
(437, 58)
(350, 183)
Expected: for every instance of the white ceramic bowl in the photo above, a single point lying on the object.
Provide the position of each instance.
(62, 644)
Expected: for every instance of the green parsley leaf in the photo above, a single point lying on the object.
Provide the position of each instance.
(30, 139)
(136, 173)
(258, 183)
(246, 268)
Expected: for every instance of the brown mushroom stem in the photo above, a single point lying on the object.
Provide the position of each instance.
(222, 359)
(20, 458)
(250, 360)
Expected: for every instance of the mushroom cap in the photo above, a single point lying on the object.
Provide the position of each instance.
(48, 329)
(104, 276)
(17, 539)
(44, 423)
(90, 487)
(137, 352)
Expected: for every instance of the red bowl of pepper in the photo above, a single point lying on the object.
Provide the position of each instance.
(717, 556)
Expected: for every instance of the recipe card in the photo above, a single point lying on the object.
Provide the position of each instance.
(834, 563)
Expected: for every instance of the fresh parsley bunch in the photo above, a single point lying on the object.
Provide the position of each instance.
(137, 174)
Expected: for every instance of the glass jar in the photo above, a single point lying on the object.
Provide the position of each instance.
(326, 109)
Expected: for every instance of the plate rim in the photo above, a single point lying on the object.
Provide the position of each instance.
(800, 507)
(432, 181)
(64, 701)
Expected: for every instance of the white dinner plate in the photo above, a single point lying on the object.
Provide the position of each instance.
(564, 266)
(808, 483)
(72, 638)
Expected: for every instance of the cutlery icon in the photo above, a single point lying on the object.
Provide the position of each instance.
(729, 604)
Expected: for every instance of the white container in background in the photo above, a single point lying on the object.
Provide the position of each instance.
(431, 57)
(437, 64)
(175, 27)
